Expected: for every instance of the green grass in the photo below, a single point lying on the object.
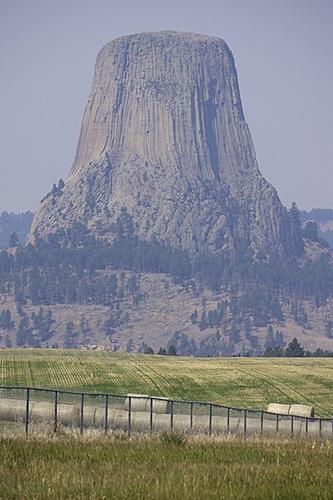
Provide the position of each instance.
(157, 468)
(239, 382)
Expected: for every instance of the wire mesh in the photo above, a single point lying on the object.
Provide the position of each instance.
(68, 411)
(254, 422)
(219, 420)
(118, 413)
(31, 410)
(236, 421)
(93, 412)
(12, 411)
(326, 430)
(41, 411)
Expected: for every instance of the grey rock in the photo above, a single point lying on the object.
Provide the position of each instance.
(164, 134)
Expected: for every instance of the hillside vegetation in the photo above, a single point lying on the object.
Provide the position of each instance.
(324, 218)
(149, 293)
(19, 224)
(238, 382)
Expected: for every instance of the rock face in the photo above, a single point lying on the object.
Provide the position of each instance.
(164, 135)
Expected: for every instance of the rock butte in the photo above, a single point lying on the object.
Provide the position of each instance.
(164, 134)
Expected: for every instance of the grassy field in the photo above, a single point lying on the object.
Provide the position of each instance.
(164, 467)
(239, 382)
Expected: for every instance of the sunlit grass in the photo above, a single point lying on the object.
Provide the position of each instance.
(164, 468)
(238, 382)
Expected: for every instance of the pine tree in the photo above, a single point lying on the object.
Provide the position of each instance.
(69, 341)
(6, 321)
(13, 240)
(270, 337)
(171, 350)
(296, 230)
(294, 349)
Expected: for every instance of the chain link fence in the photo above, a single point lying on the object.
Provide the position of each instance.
(31, 410)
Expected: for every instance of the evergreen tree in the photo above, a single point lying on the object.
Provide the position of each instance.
(147, 349)
(294, 349)
(24, 334)
(130, 346)
(171, 350)
(70, 335)
(6, 321)
(13, 240)
(310, 231)
(8, 342)
(203, 321)
(329, 329)
(296, 229)
(270, 341)
(194, 317)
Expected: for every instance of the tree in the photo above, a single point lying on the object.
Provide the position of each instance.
(147, 349)
(129, 346)
(203, 321)
(273, 352)
(269, 337)
(162, 351)
(294, 349)
(329, 329)
(171, 350)
(194, 317)
(54, 190)
(24, 334)
(6, 321)
(310, 231)
(13, 240)
(8, 342)
(69, 341)
(296, 229)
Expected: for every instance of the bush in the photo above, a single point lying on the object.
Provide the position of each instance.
(173, 438)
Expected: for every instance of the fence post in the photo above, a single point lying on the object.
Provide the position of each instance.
(320, 427)
(306, 425)
(292, 424)
(228, 420)
(171, 415)
(106, 414)
(191, 415)
(129, 415)
(55, 411)
(81, 413)
(277, 423)
(262, 422)
(27, 411)
(210, 418)
(151, 416)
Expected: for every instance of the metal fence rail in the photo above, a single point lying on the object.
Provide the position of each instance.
(30, 409)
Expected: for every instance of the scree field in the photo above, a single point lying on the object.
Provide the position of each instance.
(238, 382)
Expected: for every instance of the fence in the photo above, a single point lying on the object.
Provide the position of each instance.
(29, 410)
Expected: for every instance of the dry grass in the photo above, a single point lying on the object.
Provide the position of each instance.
(164, 468)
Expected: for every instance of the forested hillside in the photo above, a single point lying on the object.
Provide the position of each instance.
(324, 218)
(74, 290)
(12, 224)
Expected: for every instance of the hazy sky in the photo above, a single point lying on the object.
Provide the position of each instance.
(283, 54)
